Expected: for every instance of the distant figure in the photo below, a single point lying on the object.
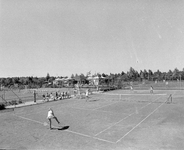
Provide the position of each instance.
(34, 93)
(151, 90)
(51, 97)
(169, 99)
(87, 94)
(51, 116)
(43, 96)
(74, 92)
(66, 95)
(63, 95)
(131, 88)
(56, 94)
(78, 90)
(47, 96)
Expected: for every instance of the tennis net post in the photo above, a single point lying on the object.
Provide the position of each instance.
(169, 99)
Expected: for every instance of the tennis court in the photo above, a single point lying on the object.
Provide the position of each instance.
(111, 120)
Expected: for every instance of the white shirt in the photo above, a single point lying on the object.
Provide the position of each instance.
(50, 114)
(87, 92)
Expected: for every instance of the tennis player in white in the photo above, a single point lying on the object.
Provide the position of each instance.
(87, 94)
(151, 90)
(51, 116)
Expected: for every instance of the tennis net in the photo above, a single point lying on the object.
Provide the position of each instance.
(142, 98)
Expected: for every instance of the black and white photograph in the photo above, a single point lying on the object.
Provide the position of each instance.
(91, 74)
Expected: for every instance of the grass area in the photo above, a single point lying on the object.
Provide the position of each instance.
(101, 123)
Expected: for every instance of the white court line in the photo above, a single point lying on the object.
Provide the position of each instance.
(112, 125)
(131, 94)
(68, 130)
(90, 136)
(123, 118)
(140, 122)
(29, 119)
(104, 140)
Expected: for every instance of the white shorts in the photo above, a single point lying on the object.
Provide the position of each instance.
(50, 117)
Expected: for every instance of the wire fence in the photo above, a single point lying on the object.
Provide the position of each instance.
(136, 98)
(157, 85)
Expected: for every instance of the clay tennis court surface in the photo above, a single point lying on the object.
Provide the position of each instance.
(132, 121)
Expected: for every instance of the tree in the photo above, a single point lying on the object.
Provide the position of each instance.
(169, 75)
(72, 76)
(157, 75)
(47, 77)
(145, 74)
(175, 74)
(8, 82)
(82, 78)
(30, 80)
(99, 75)
(2, 81)
(131, 74)
(122, 73)
(182, 74)
(163, 75)
(15, 80)
(125, 77)
(104, 75)
(41, 81)
(51, 79)
(141, 75)
(150, 74)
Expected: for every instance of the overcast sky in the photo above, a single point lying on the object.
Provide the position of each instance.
(64, 37)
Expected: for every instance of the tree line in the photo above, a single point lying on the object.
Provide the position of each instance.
(109, 79)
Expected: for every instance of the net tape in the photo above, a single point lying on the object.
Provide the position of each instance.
(142, 98)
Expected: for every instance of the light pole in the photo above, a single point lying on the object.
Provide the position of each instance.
(180, 81)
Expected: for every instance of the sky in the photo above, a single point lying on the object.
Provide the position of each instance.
(65, 37)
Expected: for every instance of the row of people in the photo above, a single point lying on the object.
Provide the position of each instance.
(57, 96)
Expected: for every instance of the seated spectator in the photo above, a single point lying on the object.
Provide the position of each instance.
(56, 97)
(66, 95)
(47, 97)
(43, 96)
(59, 96)
(75, 92)
(63, 95)
(51, 97)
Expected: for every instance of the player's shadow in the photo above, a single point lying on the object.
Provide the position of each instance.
(60, 128)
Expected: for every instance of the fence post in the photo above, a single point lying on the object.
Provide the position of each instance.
(34, 93)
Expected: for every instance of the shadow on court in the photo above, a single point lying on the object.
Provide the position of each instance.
(60, 128)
